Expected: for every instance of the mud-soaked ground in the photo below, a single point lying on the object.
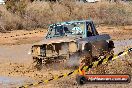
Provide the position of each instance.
(16, 63)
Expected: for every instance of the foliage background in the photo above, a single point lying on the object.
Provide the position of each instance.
(17, 15)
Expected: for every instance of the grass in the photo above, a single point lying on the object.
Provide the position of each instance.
(40, 14)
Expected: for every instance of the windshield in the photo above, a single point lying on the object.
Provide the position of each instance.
(67, 29)
(75, 29)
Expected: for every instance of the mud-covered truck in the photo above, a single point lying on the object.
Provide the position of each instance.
(74, 41)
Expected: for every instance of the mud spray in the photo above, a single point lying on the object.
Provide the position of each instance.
(74, 60)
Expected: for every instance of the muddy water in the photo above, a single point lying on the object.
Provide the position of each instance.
(16, 53)
(11, 82)
(122, 45)
(19, 54)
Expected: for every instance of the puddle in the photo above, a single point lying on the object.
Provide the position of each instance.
(12, 82)
(16, 53)
(122, 45)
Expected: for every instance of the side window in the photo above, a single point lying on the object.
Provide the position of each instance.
(89, 30)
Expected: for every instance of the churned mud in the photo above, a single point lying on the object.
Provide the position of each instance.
(16, 65)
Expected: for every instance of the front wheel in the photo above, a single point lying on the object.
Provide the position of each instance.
(37, 63)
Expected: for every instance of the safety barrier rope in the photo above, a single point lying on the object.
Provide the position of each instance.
(86, 68)
(48, 80)
(105, 60)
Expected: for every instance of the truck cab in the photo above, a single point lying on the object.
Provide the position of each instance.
(81, 29)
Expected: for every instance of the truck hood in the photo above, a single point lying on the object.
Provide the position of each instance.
(69, 39)
(56, 40)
